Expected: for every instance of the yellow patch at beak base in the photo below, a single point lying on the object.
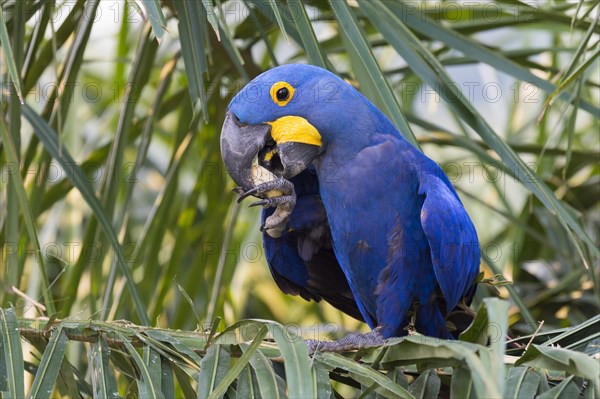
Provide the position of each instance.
(296, 129)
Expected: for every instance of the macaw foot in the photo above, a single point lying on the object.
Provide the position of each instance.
(350, 342)
(276, 224)
(277, 193)
(275, 188)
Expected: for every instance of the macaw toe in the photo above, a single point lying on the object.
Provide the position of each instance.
(350, 342)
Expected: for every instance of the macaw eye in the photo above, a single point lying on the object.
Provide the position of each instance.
(282, 93)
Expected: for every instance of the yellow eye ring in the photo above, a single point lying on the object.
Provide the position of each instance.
(282, 93)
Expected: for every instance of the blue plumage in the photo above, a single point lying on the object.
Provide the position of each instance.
(302, 261)
(399, 232)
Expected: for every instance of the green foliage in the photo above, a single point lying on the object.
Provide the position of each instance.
(235, 365)
(115, 204)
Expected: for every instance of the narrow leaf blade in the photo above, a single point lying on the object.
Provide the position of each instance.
(156, 17)
(47, 372)
(10, 59)
(213, 369)
(13, 353)
(103, 380)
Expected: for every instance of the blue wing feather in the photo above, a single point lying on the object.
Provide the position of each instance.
(452, 238)
(374, 203)
(302, 260)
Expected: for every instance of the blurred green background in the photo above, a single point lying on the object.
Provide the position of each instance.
(124, 100)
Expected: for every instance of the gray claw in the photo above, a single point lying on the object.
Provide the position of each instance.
(284, 201)
(244, 195)
(285, 186)
(264, 202)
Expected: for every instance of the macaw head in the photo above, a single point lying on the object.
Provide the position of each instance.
(290, 115)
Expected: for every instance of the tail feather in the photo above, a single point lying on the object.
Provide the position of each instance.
(431, 322)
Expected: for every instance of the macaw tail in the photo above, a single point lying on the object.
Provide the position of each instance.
(431, 322)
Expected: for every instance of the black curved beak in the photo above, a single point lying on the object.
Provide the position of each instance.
(295, 157)
(242, 145)
(239, 145)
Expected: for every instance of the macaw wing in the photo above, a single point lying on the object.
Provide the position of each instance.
(302, 260)
(452, 238)
(286, 266)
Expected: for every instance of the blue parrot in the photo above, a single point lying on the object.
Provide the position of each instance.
(353, 213)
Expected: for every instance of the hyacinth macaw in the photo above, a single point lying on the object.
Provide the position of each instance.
(353, 213)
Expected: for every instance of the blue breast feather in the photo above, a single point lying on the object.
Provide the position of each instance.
(302, 261)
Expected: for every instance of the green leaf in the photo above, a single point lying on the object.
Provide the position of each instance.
(426, 386)
(50, 140)
(521, 382)
(12, 226)
(566, 389)
(147, 385)
(47, 372)
(397, 375)
(366, 374)
(213, 369)
(247, 384)
(211, 16)
(462, 385)
(228, 42)
(13, 353)
(570, 361)
(10, 59)
(426, 352)
(103, 380)
(182, 349)
(321, 383)
(184, 382)
(241, 331)
(485, 387)
(580, 335)
(295, 354)
(244, 331)
(156, 17)
(269, 384)
(191, 35)
(265, 8)
(167, 383)
(153, 364)
(66, 384)
(582, 45)
(3, 376)
(19, 188)
(235, 208)
(478, 331)
(497, 311)
(277, 13)
(307, 34)
(576, 74)
(490, 324)
(241, 363)
(515, 378)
